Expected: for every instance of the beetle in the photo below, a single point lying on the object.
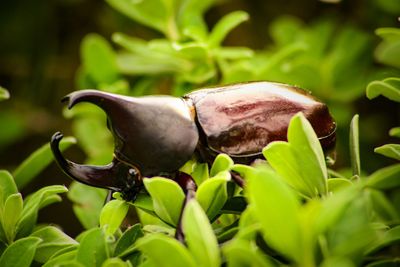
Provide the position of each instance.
(156, 135)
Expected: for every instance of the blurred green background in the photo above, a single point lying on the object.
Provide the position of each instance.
(41, 54)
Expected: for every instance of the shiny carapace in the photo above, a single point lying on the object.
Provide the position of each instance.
(156, 135)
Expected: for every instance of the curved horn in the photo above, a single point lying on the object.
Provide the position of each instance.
(108, 102)
(98, 176)
(153, 134)
(119, 110)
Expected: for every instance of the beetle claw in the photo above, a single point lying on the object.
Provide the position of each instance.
(54, 143)
(66, 99)
(98, 176)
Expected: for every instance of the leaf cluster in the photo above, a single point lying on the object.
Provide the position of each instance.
(285, 215)
(387, 53)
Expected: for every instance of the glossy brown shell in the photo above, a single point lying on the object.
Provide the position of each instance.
(241, 119)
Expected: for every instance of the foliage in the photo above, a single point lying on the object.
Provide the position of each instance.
(349, 221)
(387, 52)
(21, 240)
(292, 211)
(4, 94)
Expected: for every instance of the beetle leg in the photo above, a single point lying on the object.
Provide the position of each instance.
(237, 179)
(109, 196)
(188, 185)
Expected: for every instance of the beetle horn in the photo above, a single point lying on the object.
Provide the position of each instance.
(103, 100)
(153, 134)
(119, 109)
(98, 176)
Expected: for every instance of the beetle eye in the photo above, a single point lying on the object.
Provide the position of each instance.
(133, 173)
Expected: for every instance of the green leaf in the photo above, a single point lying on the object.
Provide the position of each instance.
(99, 59)
(385, 178)
(383, 207)
(227, 234)
(355, 146)
(199, 236)
(188, 166)
(7, 187)
(190, 18)
(332, 208)
(92, 250)
(240, 253)
(149, 57)
(300, 162)
(221, 163)
(32, 204)
(115, 262)
(234, 53)
(4, 94)
(225, 25)
(151, 13)
(167, 198)
(344, 60)
(113, 214)
(200, 173)
(128, 240)
(159, 229)
(192, 51)
(69, 257)
(37, 161)
(388, 52)
(276, 208)
(337, 184)
(352, 232)
(389, 88)
(285, 29)
(388, 34)
(199, 73)
(92, 131)
(64, 250)
(337, 261)
(248, 225)
(88, 202)
(145, 203)
(384, 263)
(132, 64)
(68, 263)
(238, 71)
(275, 60)
(151, 219)
(53, 240)
(165, 251)
(132, 44)
(212, 194)
(3, 238)
(12, 212)
(395, 132)
(20, 253)
(242, 169)
(389, 150)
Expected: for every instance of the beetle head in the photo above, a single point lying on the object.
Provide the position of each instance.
(152, 136)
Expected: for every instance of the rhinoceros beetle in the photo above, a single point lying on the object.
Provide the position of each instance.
(156, 135)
